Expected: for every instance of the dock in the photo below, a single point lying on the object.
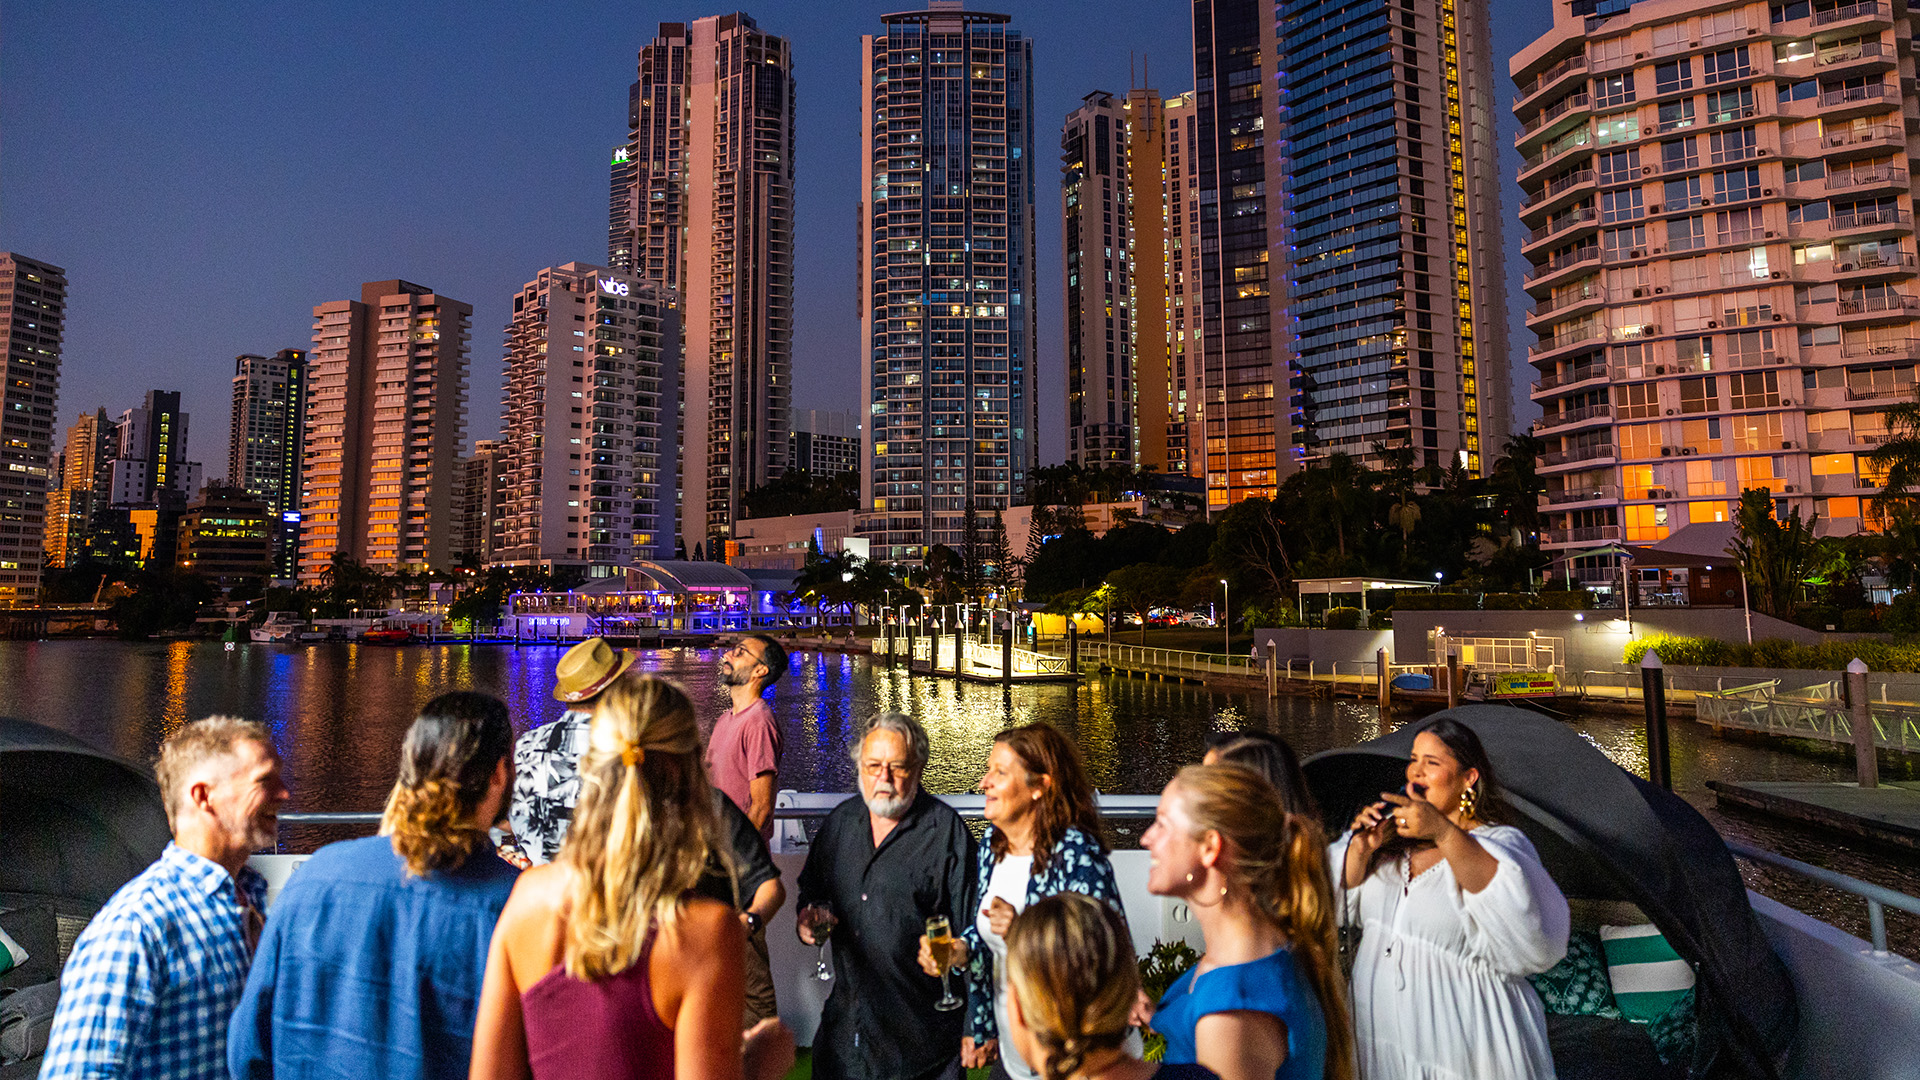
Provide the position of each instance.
(1887, 814)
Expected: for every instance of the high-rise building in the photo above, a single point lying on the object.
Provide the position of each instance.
(226, 535)
(946, 275)
(83, 484)
(1357, 151)
(267, 439)
(483, 488)
(1113, 202)
(386, 422)
(825, 443)
(150, 453)
(33, 309)
(591, 423)
(1186, 357)
(707, 212)
(1720, 226)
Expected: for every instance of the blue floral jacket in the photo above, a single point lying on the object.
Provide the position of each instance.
(1076, 865)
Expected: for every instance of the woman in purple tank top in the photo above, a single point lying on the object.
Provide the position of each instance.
(604, 964)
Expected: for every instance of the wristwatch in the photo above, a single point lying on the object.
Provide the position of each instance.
(754, 923)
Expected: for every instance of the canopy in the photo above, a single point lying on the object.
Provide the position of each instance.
(79, 823)
(1605, 834)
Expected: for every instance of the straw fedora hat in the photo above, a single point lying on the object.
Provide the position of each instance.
(587, 669)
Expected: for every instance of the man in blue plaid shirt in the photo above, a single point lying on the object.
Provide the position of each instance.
(154, 978)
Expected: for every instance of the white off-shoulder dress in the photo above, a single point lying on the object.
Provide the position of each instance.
(1439, 980)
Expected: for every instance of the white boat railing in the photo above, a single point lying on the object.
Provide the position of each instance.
(1878, 897)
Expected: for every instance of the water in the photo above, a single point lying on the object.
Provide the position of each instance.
(337, 713)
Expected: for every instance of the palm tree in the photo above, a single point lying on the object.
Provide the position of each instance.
(1776, 556)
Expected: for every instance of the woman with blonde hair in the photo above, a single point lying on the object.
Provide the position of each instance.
(371, 961)
(1266, 1001)
(605, 962)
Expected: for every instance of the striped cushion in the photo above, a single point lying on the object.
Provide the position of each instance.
(1647, 975)
(11, 954)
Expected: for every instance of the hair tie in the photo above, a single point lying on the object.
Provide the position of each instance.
(632, 755)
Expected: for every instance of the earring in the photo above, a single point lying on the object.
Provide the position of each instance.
(1466, 803)
(1189, 879)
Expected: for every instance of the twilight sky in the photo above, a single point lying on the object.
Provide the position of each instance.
(208, 172)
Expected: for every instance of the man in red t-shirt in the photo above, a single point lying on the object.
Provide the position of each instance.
(743, 759)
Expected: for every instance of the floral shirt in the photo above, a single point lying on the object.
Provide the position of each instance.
(546, 784)
(1076, 864)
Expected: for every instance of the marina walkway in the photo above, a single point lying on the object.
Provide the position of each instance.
(1889, 813)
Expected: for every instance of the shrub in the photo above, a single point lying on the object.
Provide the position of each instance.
(1882, 656)
(1165, 962)
(1343, 618)
(1860, 620)
(1903, 615)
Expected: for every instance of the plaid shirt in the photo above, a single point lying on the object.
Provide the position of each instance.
(546, 784)
(155, 976)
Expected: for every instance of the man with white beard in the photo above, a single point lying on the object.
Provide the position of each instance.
(881, 865)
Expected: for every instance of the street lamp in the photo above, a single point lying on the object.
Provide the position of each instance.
(1226, 619)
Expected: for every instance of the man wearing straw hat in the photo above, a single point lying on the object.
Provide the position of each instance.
(546, 760)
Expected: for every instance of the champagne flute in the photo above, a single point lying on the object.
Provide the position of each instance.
(940, 944)
(822, 930)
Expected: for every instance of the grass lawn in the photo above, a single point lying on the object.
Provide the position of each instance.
(803, 1068)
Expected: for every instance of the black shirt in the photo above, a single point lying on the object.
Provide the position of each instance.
(750, 859)
(879, 1022)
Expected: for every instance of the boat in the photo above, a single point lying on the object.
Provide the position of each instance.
(280, 626)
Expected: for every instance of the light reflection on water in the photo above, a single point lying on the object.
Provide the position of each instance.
(337, 713)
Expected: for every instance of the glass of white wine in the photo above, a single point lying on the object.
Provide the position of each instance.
(822, 930)
(940, 944)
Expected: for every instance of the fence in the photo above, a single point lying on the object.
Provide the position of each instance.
(1813, 712)
(1530, 653)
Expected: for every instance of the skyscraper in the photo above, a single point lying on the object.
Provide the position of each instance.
(826, 443)
(1358, 150)
(946, 275)
(86, 478)
(591, 424)
(267, 440)
(386, 423)
(483, 499)
(33, 307)
(1719, 207)
(1186, 357)
(150, 453)
(1113, 200)
(707, 212)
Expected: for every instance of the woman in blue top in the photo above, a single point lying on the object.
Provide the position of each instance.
(1043, 837)
(1266, 1002)
(370, 964)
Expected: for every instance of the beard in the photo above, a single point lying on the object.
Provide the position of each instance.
(259, 831)
(890, 807)
(732, 676)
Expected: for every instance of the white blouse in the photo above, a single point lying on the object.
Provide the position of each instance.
(1439, 980)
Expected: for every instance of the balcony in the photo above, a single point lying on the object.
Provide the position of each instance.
(1869, 219)
(1851, 142)
(1570, 378)
(1884, 176)
(1547, 347)
(1544, 122)
(1581, 495)
(1547, 79)
(1576, 417)
(1589, 452)
(1867, 54)
(1550, 155)
(1853, 262)
(1561, 264)
(1856, 100)
(1585, 215)
(1879, 304)
(1908, 349)
(1568, 301)
(1589, 534)
(1855, 13)
(1879, 393)
(1556, 190)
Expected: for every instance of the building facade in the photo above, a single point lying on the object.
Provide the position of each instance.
(228, 536)
(707, 213)
(33, 301)
(386, 424)
(1186, 357)
(1097, 277)
(483, 487)
(591, 422)
(825, 443)
(150, 453)
(267, 440)
(946, 275)
(1720, 211)
(84, 482)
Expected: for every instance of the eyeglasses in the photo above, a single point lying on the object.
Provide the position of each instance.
(890, 768)
(740, 649)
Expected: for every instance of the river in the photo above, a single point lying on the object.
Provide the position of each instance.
(338, 711)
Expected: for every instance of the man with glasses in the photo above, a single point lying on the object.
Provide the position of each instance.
(743, 759)
(881, 865)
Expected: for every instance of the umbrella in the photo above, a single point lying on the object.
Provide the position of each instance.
(80, 823)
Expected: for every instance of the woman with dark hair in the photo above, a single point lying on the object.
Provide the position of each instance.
(1273, 758)
(371, 961)
(1043, 837)
(1455, 912)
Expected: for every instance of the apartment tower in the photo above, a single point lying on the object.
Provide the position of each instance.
(483, 499)
(86, 477)
(386, 424)
(265, 443)
(1719, 208)
(707, 214)
(33, 308)
(1186, 358)
(591, 425)
(946, 275)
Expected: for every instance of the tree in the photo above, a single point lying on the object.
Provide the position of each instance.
(997, 556)
(942, 572)
(798, 491)
(1144, 586)
(972, 555)
(1516, 487)
(1250, 549)
(1776, 556)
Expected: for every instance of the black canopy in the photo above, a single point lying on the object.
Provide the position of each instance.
(1605, 834)
(78, 823)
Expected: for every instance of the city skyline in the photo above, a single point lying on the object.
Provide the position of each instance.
(138, 259)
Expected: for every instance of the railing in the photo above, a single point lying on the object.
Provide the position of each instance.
(1861, 305)
(1848, 262)
(1579, 453)
(1561, 498)
(1849, 11)
(1575, 416)
(1871, 50)
(1556, 187)
(1814, 712)
(1554, 112)
(1584, 535)
(1549, 382)
(1568, 339)
(1581, 216)
(1561, 262)
(1173, 661)
(1866, 178)
(1555, 303)
(1849, 95)
(1869, 218)
(1571, 63)
(1552, 153)
(1908, 348)
(1847, 137)
(1878, 897)
(1875, 393)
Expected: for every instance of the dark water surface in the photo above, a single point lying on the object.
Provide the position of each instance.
(337, 713)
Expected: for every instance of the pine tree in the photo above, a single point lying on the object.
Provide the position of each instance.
(999, 555)
(972, 554)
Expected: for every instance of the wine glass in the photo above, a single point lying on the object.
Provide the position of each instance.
(822, 930)
(940, 944)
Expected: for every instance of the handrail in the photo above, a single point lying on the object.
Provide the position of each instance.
(1127, 807)
(1878, 897)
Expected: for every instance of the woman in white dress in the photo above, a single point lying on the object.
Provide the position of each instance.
(1455, 912)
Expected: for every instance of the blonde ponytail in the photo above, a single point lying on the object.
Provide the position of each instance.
(1070, 963)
